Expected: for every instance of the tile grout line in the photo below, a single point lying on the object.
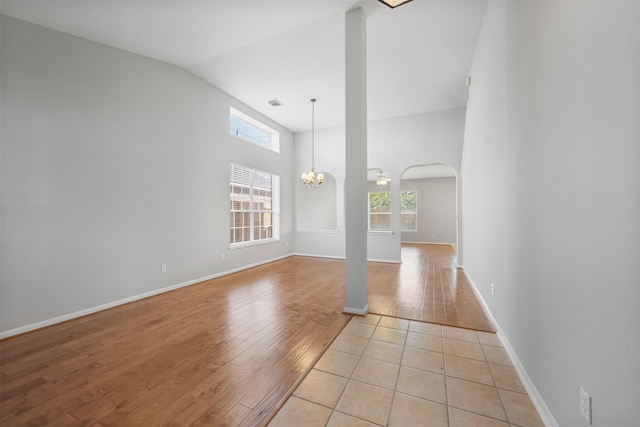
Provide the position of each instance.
(395, 386)
(446, 376)
(394, 391)
(334, 409)
(495, 384)
(446, 382)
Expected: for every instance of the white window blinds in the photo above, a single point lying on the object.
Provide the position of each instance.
(254, 200)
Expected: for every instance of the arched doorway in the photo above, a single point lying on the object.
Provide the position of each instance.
(429, 205)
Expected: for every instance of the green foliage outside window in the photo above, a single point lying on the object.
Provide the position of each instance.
(380, 201)
(409, 210)
(408, 200)
(380, 211)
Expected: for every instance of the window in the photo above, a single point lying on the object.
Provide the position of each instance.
(255, 206)
(409, 210)
(380, 211)
(251, 130)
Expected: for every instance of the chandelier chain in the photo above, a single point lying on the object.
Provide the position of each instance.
(311, 179)
(313, 133)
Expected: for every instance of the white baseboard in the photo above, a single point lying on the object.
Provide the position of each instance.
(429, 243)
(91, 310)
(319, 256)
(358, 311)
(388, 261)
(532, 391)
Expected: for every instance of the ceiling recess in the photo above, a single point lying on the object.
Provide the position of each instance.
(394, 3)
(275, 103)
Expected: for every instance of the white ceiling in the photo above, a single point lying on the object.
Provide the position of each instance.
(291, 50)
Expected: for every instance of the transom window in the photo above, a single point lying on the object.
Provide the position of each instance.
(409, 210)
(253, 131)
(255, 209)
(380, 211)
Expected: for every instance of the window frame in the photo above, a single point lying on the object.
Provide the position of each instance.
(415, 214)
(247, 179)
(273, 143)
(389, 213)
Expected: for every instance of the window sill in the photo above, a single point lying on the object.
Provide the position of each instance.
(389, 232)
(242, 245)
(254, 144)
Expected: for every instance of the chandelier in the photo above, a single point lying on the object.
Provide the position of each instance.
(311, 179)
(394, 3)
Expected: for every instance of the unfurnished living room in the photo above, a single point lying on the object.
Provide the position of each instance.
(320, 212)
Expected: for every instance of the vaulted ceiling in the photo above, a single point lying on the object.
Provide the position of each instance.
(418, 54)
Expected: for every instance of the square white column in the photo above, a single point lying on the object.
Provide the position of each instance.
(356, 163)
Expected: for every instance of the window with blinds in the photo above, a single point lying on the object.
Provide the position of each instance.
(254, 198)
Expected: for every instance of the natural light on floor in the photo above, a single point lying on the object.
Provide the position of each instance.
(386, 371)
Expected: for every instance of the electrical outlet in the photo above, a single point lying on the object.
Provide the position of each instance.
(163, 268)
(585, 405)
(493, 291)
(221, 257)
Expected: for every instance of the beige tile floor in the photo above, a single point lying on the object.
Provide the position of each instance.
(383, 371)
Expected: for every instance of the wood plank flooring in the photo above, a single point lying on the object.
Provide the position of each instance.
(428, 287)
(222, 352)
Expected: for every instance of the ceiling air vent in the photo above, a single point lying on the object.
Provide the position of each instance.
(275, 103)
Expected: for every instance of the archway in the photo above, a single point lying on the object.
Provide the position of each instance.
(429, 205)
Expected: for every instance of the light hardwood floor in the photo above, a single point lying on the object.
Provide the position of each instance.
(427, 287)
(223, 352)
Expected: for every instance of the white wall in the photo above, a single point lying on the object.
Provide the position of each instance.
(437, 215)
(551, 197)
(112, 165)
(393, 145)
(317, 207)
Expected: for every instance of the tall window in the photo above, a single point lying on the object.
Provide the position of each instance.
(253, 131)
(409, 210)
(255, 207)
(380, 211)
